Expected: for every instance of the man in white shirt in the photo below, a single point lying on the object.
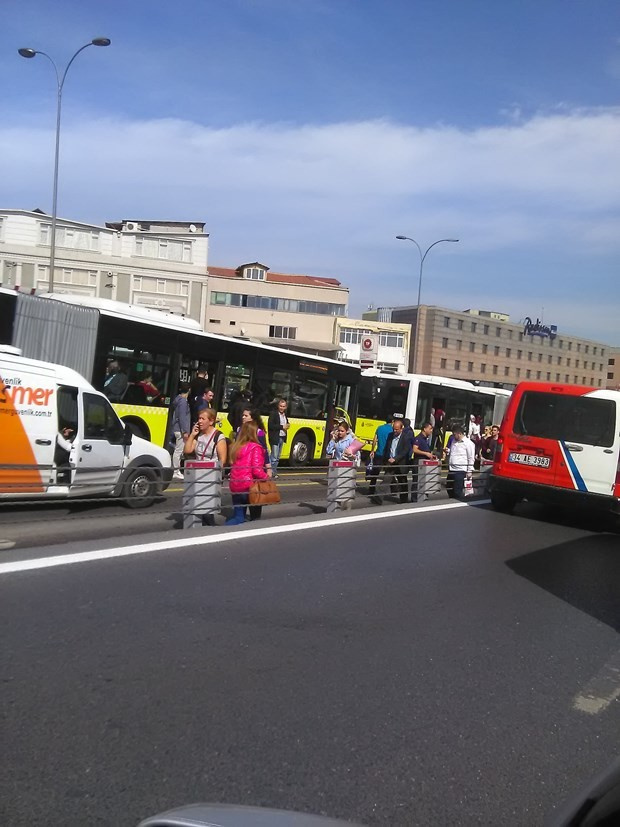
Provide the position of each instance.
(460, 463)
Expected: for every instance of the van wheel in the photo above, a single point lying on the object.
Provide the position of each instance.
(503, 502)
(140, 488)
(300, 451)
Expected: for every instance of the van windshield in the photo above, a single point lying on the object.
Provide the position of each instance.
(581, 419)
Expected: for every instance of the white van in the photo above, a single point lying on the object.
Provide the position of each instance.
(59, 437)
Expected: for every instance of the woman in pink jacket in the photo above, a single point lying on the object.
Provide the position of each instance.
(247, 458)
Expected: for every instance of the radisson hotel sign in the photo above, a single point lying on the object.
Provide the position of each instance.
(537, 328)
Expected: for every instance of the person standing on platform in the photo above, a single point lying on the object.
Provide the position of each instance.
(421, 450)
(376, 455)
(277, 427)
(460, 463)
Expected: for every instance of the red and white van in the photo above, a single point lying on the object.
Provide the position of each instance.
(558, 444)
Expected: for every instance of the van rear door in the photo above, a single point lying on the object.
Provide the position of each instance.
(530, 452)
(567, 439)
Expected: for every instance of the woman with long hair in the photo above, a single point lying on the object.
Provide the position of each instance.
(251, 414)
(247, 459)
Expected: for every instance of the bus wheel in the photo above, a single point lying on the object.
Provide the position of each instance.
(140, 488)
(301, 452)
(503, 502)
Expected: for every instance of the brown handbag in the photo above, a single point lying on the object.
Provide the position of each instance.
(263, 492)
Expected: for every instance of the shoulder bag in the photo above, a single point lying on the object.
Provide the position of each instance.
(263, 492)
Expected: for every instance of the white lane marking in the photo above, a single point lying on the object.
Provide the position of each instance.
(206, 540)
(602, 690)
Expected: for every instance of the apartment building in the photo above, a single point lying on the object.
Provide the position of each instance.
(158, 264)
(613, 369)
(486, 347)
(394, 341)
(281, 309)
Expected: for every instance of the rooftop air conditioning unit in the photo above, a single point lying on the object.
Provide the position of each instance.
(132, 226)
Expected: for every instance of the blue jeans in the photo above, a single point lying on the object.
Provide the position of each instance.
(276, 451)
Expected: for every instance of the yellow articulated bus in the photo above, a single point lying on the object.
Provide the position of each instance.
(157, 351)
(414, 396)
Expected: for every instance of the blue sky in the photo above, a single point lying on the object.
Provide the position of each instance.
(308, 133)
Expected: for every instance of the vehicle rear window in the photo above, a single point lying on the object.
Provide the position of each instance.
(582, 419)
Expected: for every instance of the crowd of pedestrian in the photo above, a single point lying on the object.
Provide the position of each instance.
(253, 451)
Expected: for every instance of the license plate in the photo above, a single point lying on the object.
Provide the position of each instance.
(530, 459)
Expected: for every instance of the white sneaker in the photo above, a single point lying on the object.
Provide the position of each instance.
(177, 475)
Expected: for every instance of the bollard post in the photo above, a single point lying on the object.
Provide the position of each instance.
(202, 491)
(429, 478)
(341, 479)
(486, 465)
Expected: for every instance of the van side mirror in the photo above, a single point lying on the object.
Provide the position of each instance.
(127, 436)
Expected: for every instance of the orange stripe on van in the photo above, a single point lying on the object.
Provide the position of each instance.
(15, 449)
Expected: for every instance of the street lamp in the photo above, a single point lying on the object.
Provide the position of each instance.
(28, 53)
(422, 257)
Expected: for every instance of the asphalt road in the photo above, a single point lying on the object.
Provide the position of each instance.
(441, 667)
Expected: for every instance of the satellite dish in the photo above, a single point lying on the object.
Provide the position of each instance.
(192, 228)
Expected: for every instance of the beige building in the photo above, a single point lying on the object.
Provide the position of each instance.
(484, 346)
(279, 309)
(613, 369)
(156, 264)
(394, 340)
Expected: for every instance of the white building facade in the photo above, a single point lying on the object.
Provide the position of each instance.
(394, 342)
(157, 264)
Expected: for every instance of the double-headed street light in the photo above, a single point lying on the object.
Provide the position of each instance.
(422, 258)
(60, 80)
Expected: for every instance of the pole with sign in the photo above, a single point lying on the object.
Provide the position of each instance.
(369, 350)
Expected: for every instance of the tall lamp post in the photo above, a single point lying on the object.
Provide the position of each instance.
(60, 80)
(422, 258)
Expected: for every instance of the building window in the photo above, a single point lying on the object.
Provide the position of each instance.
(387, 339)
(352, 335)
(570, 345)
(528, 374)
(557, 377)
(486, 330)
(519, 354)
(576, 363)
(470, 367)
(529, 356)
(167, 248)
(254, 273)
(485, 348)
(538, 374)
(273, 303)
(459, 344)
(444, 343)
(483, 368)
(446, 321)
(506, 371)
(540, 357)
(561, 343)
(548, 376)
(611, 361)
(578, 347)
(498, 332)
(495, 370)
(510, 334)
(277, 331)
(472, 347)
(474, 327)
(610, 375)
(457, 364)
(443, 363)
(594, 350)
(559, 360)
(214, 321)
(566, 378)
(459, 324)
(496, 350)
(518, 372)
(568, 361)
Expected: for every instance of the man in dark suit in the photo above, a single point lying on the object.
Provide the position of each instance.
(397, 459)
(277, 426)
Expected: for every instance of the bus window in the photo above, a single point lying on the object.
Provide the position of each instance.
(309, 399)
(381, 398)
(237, 378)
(270, 385)
(147, 372)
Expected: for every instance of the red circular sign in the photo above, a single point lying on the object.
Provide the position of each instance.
(367, 344)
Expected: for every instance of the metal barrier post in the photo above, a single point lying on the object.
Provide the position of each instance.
(202, 491)
(429, 478)
(486, 465)
(341, 479)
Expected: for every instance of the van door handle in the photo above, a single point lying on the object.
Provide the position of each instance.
(608, 450)
(572, 447)
(87, 447)
(43, 441)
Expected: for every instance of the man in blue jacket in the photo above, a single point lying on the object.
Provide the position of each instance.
(397, 459)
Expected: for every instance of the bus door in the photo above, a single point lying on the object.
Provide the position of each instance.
(343, 400)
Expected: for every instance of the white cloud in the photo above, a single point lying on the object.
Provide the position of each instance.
(329, 199)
